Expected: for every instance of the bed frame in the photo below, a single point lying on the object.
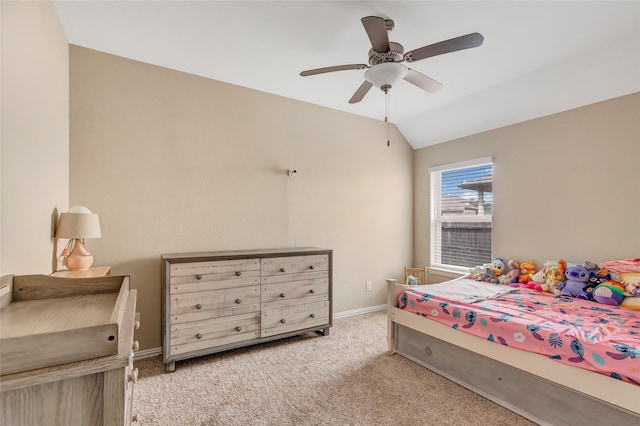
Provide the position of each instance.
(536, 387)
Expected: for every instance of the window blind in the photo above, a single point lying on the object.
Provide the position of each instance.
(461, 214)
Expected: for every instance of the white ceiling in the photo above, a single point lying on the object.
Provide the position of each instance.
(538, 57)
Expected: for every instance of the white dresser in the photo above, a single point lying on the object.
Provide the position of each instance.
(215, 301)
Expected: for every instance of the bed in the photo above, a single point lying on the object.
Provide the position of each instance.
(585, 364)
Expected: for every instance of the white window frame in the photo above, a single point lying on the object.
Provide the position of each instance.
(435, 235)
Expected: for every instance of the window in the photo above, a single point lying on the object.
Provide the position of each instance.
(461, 209)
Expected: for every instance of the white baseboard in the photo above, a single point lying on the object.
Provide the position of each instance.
(148, 353)
(359, 311)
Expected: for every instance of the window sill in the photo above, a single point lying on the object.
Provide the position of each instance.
(450, 273)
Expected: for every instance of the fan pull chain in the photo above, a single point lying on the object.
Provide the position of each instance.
(386, 117)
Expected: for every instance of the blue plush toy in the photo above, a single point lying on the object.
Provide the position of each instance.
(577, 280)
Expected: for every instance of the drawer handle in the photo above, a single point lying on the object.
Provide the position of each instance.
(283, 270)
(311, 267)
(238, 273)
(283, 320)
(135, 346)
(136, 325)
(198, 336)
(238, 301)
(133, 376)
(199, 306)
(198, 277)
(238, 328)
(312, 315)
(283, 295)
(312, 291)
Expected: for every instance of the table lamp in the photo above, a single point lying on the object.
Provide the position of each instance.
(77, 224)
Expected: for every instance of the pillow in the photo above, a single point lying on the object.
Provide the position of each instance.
(631, 302)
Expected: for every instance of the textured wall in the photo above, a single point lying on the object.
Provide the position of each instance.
(178, 163)
(35, 135)
(565, 185)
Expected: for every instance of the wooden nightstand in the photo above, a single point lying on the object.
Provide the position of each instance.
(96, 271)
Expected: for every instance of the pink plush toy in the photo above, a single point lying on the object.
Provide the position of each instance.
(538, 281)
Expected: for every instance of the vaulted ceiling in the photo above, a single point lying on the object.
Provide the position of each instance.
(537, 58)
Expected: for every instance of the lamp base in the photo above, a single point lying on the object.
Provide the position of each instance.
(79, 258)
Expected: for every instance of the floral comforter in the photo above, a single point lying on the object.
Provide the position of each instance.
(589, 335)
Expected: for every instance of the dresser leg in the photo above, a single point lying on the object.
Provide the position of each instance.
(170, 367)
(324, 331)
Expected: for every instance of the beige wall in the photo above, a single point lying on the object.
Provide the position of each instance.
(565, 185)
(35, 135)
(177, 163)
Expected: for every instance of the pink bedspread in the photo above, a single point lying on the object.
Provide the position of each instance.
(585, 334)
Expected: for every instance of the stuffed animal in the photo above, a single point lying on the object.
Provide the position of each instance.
(476, 273)
(411, 280)
(513, 274)
(527, 269)
(609, 293)
(591, 266)
(577, 278)
(489, 274)
(553, 276)
(538, 281)
(499, 267)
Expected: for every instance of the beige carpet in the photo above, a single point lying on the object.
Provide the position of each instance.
(346, 378)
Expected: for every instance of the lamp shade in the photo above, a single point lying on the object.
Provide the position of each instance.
(385, 74)
(78, 222)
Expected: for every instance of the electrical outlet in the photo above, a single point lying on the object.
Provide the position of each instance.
(368, 285)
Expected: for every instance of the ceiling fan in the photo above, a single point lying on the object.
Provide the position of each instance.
(385, 66)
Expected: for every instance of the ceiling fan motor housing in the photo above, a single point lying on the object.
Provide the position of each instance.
(395, 54)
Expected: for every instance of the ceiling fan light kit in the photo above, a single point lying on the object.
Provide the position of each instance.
(385, 68)
(385, 75)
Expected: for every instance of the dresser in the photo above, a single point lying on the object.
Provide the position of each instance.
(216, 301)
(77, 367)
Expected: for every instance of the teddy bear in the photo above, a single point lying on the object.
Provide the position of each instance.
(577, 279)
(513, 274)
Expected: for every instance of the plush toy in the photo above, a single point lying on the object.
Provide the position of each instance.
(553, 276)
(591, 266)
(527, 269)
(609, 293)
(577, 278)
(476, 273)
(499, 267)
(538, 281)
(411, 280)
(513, 274)
(489, 274)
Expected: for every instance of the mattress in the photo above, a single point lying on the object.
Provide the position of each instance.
(601, 338)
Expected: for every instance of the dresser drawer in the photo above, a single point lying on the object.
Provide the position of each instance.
(196, 335)
(214, 304)
(193, 283)
(296, 317)
(294, 292)
(294, 264)
(190, 271)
